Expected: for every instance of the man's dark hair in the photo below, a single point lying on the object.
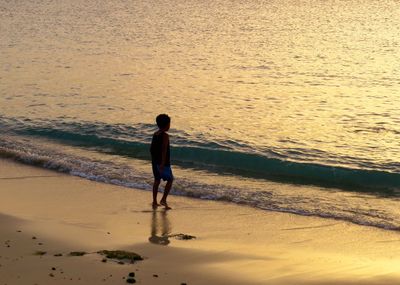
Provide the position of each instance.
(163, 120)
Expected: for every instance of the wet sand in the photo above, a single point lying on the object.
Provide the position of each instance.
(45, 213)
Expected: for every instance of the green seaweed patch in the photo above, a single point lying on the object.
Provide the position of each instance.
(121, 255)
(40, 253)
(77, 253)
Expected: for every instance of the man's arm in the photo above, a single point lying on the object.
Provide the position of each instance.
(164, 151)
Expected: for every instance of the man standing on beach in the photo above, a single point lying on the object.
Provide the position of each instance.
(160, 159)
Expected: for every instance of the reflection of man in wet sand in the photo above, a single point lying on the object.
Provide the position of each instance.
(160, 224)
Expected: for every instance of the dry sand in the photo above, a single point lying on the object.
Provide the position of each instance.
(46, 211)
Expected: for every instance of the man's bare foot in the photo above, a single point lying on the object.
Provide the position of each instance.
(155, 205)
(165, 204)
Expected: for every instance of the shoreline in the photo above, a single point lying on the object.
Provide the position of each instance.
(234, 244)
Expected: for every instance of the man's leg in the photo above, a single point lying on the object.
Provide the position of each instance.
(155, 190)
(166, 192)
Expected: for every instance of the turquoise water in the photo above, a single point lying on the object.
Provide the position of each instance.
(282, 105)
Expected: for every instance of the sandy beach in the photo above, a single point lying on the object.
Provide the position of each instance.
(46, 215)
(278, 119)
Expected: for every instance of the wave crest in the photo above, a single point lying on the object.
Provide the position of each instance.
(222, 157)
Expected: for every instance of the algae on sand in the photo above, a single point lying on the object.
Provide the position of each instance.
(121, 255)
(77, 253)
(182, 236)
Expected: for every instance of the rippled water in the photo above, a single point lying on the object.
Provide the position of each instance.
(308, 89)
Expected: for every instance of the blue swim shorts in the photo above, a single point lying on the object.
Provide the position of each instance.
(166, 175)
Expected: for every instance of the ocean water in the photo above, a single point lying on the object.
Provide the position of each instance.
(281, 105)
